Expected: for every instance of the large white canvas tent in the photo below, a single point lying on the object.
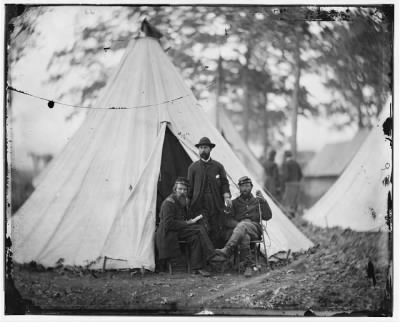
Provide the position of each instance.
(358, 199)
(98, 198)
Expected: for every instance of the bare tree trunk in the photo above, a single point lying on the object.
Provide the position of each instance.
(381, 84)
(359, 116)
(266, 125)
(246, 103)
(295, 96)
(218, 93)
(359, 107)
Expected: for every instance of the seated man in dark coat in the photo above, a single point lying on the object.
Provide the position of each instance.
(246, 212)
(174, 226)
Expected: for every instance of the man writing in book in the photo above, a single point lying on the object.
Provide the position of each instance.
(175, 226)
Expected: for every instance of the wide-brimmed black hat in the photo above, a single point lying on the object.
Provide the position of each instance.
(205, 141)
(244, 180)
(182, 180)
(288, 153)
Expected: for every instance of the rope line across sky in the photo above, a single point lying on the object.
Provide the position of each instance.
(51, 102)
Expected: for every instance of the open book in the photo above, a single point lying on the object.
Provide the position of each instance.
(197, 218)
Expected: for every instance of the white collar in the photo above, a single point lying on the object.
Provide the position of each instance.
(208, 160)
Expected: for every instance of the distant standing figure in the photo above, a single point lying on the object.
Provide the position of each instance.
(272, 180)
(209, 192)
(291, 175)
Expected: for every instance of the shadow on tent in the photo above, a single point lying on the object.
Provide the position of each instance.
(174, 163)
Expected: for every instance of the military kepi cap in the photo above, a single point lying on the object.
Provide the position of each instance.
(182, 180)
(205, 141)
(244, 180)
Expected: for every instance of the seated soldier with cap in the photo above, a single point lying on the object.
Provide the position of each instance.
(174, 226)
(246, 215)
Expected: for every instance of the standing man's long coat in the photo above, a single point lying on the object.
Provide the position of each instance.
(208, 183)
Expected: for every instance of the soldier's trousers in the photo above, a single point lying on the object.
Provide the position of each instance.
(244, 232)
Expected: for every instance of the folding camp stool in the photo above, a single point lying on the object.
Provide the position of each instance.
(186, 252)
(254, 248)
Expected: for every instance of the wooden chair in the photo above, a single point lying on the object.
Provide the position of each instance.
(186, 252)
(255, 249)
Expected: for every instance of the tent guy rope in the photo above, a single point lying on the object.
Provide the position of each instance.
(51, 102)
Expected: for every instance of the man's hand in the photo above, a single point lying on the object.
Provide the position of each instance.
(227, 199)
(259, 194)
(228, 202)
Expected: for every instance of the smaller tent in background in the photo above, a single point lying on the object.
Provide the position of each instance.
(358, 199)
(239, 146)
(327, 165)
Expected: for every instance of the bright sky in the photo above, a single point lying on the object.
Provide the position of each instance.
(36, 128)
(41, 130)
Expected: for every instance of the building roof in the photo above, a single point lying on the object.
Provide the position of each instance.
(334, 157)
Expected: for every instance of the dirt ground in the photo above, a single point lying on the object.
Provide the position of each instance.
(329, 278)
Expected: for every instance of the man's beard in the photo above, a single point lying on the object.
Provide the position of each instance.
(182, 200)
(204, 155)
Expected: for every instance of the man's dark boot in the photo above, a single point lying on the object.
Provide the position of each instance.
(248, 272)
(246, 259)
(231, 243)
(225, 252)
(202, 272)
(217, 258)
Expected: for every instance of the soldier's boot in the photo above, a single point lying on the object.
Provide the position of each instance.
(217, 258)
(225, 252)
(248, 272)
(245, 258)
(231, 243)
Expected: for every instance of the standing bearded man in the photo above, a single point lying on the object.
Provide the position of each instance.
(209, 192)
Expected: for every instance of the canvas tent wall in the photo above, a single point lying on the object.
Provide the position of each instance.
(358, 199)
(97, 199)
